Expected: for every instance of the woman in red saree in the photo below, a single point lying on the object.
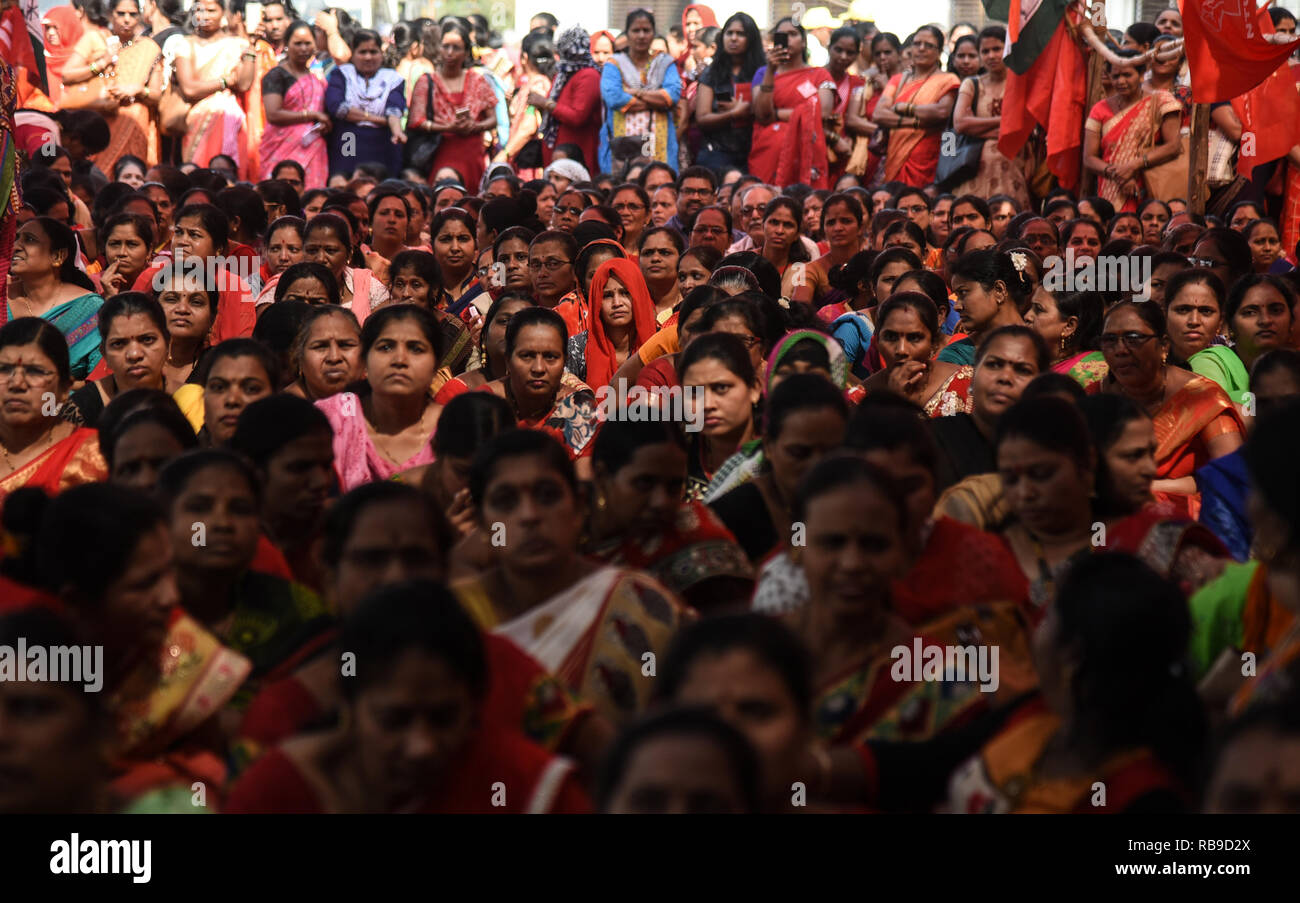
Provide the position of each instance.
(37, 447)
(1128, 132)
(294, 99)
(915, 108)
(447, 760)
(844, 49)
(640, 521)
(791, 99)
(463, 108)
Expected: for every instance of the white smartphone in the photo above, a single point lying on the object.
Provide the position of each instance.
(252, 16)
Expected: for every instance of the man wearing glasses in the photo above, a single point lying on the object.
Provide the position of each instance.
(697, 188)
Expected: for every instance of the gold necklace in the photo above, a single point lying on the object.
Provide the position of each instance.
(4, 452)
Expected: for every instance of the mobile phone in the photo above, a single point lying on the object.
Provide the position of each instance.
(781, 39)
(723, 93)
(252, 16)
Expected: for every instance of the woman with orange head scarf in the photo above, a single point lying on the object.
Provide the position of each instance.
(623, 316)
(63, 29)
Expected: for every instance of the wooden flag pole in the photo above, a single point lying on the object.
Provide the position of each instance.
(1198, 158)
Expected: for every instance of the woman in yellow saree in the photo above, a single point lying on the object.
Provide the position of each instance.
(120, 67)
(915, 108)
(1128, 132)
(594, 627)
(210, 68)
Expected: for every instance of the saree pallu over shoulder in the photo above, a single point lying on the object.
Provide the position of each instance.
(191, 678)
(1185, 424)
(69, 462)
(783, 153)
(217, 123)
(594, 635)
(1002, 777)
(696, 548)
(954, 396)
(1086, 368)
(1126, 135)
(78, 320)
(285, 142)
(913, 154)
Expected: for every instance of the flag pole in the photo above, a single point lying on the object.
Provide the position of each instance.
(1198, 158)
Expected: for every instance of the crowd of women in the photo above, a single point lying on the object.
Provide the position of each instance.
(350, 516)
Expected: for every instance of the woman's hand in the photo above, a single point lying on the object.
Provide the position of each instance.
(908, 378)
(125, 94)
(112, 280)
(399, 136)
(738, 109)
(327, 22)
(461, 513)
(538, 101)
(777, 56)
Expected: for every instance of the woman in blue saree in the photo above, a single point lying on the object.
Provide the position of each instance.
(50, 286)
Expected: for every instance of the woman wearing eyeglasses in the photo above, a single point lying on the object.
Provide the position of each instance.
(1195, 421)
(462, 107)
(37, 446)
(915, 107)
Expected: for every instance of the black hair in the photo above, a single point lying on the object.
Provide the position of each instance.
(38, 331)
(282, 193)
(518, 443)
(1194, 276)
(375, 324)
(136, 406)
(292, 164)
(1151, 315)
(801, 392)
(702, 296)
(418, 615)
(142, 225)
(126, 304)
(889, 422)
(989, 267)
(1286, 359)
(269, 424)
(1128, 629)
(719, 74)
(1087, 308)
(766, 638)
(1269, 454)
(1253, 280)
(468, 421)
(1234, 247)
(177, 473)
(1049, 383)
(344, 514)
(723, 347)
(640, 13)
(1018, 331)
(307, 269)
(87, 536)
(1051, 422)
(62, 238)
(239, 347)
(1107, 415)
(535, 316)
(289, 221)
(214, 221)
(769, 280)
(839, 471)
(618, 440)
(422, 263)
(246, 205)
(699, 723)
(922, 305)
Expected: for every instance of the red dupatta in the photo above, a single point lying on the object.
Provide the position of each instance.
(601, 360)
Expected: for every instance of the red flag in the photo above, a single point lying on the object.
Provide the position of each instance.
(1226, 49)
(1052, 94)
(15, 45)
(1269, 114)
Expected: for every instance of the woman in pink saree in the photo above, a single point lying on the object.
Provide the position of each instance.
(211, 67)
(294, 99)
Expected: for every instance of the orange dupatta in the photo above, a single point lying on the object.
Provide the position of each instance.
(904, 141)
(601, 360)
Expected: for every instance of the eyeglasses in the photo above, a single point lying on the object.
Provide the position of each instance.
(751, 210)
(924, 45)
(916, 208)
(37, 376)
(551, 264)
(568, 211)
(1207, 262)
(695, 192)
(1132, 340)
(709, 230)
